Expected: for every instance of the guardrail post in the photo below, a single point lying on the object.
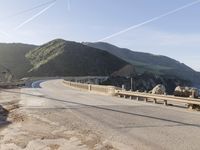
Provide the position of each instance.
(190, 106)
(131, 97)
(165, 102)
(137, 98)
(154, 101)
(146, 99)
(193, 95)
(89, 87)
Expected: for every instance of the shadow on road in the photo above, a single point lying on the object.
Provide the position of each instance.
(180, 123)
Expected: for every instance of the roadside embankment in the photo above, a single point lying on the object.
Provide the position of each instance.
(9, 99)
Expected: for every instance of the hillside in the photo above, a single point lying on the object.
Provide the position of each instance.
(145, 62)
(12, 56)
(65, 58)
(126, 71)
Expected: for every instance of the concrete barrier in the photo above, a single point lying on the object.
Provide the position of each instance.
(108, 90)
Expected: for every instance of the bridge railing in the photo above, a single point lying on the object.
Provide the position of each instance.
(108, 90)
(191, 102)
(114, 91)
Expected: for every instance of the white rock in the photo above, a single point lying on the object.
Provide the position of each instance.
(159, 89)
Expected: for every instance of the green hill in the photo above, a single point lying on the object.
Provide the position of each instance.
(145, 62)
(65, 58)
(12, 56)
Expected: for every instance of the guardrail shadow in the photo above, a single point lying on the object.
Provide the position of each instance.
(112, 110)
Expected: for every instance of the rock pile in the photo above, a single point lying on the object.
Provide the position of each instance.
(159, 89)
(186, 92)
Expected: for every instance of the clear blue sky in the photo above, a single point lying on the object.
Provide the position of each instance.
(176, 35)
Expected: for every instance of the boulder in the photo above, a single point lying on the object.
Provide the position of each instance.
(186, 92)
(159, 89)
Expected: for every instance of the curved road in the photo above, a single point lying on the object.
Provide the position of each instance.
(136, 125)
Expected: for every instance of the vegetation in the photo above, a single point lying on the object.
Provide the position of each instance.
(145, 62)
(12, 56)
(65, 58)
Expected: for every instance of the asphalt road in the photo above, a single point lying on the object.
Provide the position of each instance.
(137, 125)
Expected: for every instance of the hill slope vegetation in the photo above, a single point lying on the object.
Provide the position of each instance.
(145, 62)
(12, 56)
(65, 58)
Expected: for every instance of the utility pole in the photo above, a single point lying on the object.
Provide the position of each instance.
(131, 84)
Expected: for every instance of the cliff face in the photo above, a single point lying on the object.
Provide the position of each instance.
(147, 82)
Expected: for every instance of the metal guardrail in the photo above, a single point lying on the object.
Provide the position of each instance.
(155, 97)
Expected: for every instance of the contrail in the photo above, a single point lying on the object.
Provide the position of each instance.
(6, 35)
(151, 20)
(68, 5)
(27, 10)
(35, 16)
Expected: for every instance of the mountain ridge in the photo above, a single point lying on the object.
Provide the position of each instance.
(72, 59)
(12, 57)
(17, 57)
(147, 62)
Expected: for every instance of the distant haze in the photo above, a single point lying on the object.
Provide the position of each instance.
(39, 21)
